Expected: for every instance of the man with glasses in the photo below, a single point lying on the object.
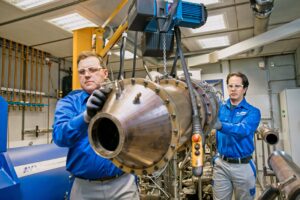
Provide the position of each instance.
(234, 170)
(95, 177)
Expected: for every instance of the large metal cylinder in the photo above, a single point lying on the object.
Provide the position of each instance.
(269, 135)
(287, 173)
(143, 123)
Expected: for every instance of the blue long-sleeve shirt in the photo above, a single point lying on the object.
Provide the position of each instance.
(70, 130)
(235, 139)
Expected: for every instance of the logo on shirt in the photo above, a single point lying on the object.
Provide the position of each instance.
(241, 113)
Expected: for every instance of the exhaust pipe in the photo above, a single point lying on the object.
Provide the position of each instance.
(270, 136)
(262, 10)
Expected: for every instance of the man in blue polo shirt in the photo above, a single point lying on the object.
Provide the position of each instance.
(234, 170)
(95, 177)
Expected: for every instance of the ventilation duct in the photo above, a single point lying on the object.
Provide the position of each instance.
(262, 10)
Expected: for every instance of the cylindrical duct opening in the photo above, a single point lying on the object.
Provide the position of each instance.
(270, 135)
(271, 138)
(105, 134)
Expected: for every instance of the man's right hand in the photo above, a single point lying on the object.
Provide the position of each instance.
(95, 103)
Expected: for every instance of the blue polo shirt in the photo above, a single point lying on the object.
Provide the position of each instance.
(236, 138)
(70, 130)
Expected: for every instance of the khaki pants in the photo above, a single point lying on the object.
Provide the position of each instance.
(123, 188)
(237, 178)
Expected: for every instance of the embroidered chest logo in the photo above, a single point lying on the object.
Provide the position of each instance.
(238, 114)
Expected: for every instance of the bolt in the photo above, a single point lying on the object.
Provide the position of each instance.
(173, 116)
(145, 83)
(137, 98)
(157, 90)
(132, 81)
(175, 131)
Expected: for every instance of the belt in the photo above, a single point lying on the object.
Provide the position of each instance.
(244, 160)
(105, 178)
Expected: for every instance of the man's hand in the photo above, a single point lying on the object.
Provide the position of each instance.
(95, 103)
(218, 124)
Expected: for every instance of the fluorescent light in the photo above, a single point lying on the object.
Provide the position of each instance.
(213, 23)
(214, 42)
(128, 54)
(72, 22)
(28, 4)
(205, 2)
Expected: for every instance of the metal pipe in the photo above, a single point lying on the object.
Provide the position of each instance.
(15, 74)
(147, 71)
(36, 78)
(262, 10)
(41, 79)
(269, 135)
(287, 173)
(26, 77)
(175, 181)
(3, 65)
(181, 166)
(31, 78)
(21, 74)
(255, 156)
(58, 83)
(269, 193)
(48, 100)
(264, 163)
(23, 83)
(9, 72)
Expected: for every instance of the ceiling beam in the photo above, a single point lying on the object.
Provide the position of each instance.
(268, 37)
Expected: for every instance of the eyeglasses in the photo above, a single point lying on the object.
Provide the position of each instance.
(91, 70)
(231, 86)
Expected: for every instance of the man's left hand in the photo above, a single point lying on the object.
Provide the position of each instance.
(218, 124)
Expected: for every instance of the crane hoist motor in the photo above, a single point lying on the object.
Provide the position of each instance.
(157, 19)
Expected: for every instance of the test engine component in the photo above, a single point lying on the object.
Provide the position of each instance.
(269, 135)
(287, 173)
(143, 123)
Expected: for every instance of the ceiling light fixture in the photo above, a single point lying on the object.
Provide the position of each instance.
(205, 2)
(72, 22)
(214, 42)
(28, 4)
(213, 23)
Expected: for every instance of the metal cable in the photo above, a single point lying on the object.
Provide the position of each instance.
(165, 54)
